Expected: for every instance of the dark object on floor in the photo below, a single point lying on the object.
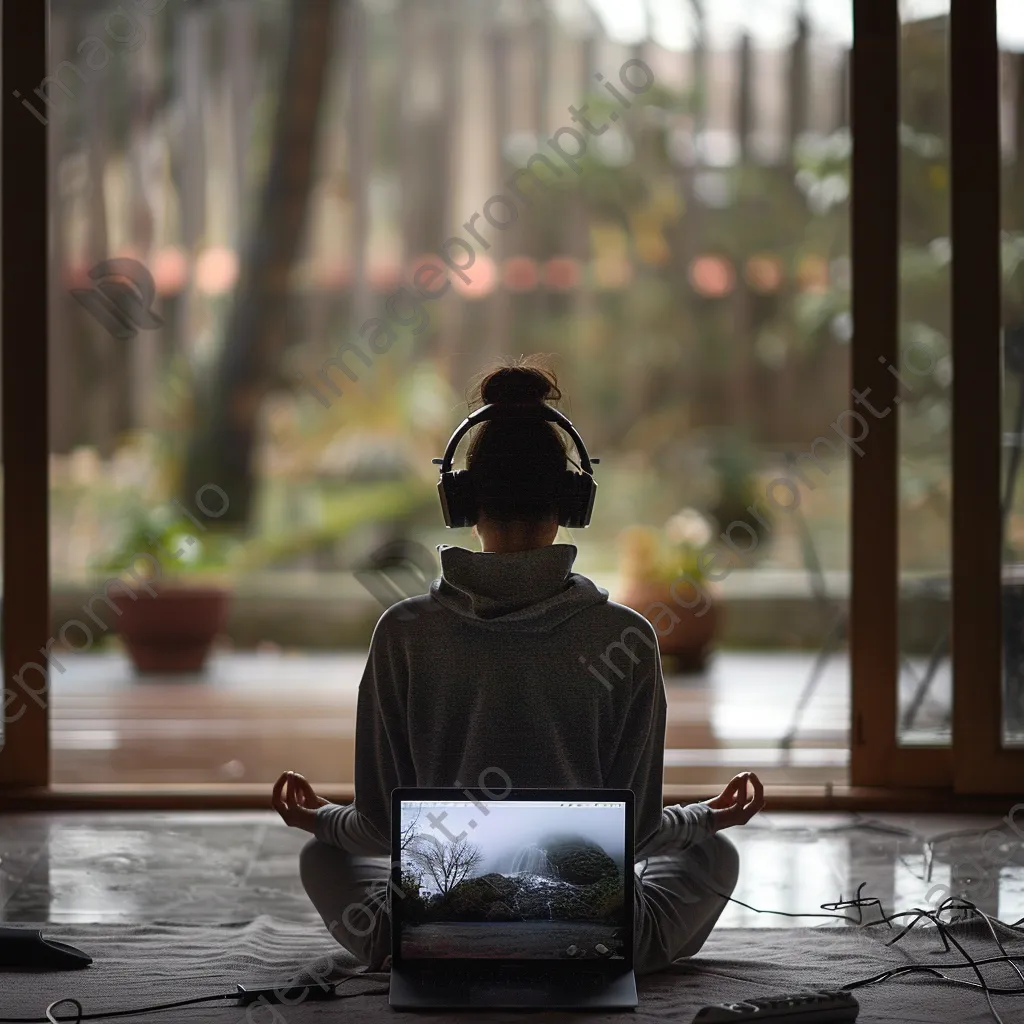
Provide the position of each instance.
(820, 1007)
(26, 949)
(285, 993)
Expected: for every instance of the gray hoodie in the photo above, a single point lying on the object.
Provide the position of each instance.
(513, 670)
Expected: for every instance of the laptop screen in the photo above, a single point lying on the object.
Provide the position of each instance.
(512, 879)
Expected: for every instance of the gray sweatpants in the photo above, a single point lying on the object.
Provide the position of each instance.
(683, 874)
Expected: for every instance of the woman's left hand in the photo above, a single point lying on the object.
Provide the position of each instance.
(731, 807)
(296, 801)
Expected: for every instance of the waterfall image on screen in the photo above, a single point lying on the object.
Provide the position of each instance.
(516, 881)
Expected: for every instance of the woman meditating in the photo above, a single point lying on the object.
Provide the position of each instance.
(487, 674)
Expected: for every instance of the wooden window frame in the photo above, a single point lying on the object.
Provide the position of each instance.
(876, 757)
(982, 763)
(25, 755)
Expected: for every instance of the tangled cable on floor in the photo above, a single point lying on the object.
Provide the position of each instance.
(954, 903)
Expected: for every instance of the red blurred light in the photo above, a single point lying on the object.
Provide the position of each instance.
(483, 276)
(712, 276)
(520, 274)
(216, 270)
(562, 273)
(169, 268)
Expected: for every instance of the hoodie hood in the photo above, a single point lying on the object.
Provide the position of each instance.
(529, 591)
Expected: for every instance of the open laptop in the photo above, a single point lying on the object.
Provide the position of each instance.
(520, 899)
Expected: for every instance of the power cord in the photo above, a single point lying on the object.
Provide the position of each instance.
(51, 1019)
(244, 996)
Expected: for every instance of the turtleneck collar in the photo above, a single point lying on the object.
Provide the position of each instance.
(533, 589)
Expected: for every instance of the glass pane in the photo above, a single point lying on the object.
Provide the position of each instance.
(705, 350)
(690, 271)
(925, 681)
(163, 127)
(1011, 36)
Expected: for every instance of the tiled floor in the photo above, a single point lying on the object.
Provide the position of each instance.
(220, 867)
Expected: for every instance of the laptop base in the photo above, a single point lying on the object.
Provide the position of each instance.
(416, 990)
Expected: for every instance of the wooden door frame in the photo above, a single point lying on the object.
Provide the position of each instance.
(876, 758)
(25, 755)
(982, 763)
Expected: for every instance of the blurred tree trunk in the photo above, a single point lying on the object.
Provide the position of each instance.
(787, 393)
(740, 389)
(222, 449)
(105, 349)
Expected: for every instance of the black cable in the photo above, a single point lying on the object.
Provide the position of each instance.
(49, 1019)
(947, 937)
(110, 1014)
(950, 904)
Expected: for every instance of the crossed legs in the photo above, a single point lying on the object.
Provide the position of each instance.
(680, 894)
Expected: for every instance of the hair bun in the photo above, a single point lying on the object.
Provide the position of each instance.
(519, 385)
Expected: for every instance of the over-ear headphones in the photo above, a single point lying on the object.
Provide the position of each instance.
(577, 489)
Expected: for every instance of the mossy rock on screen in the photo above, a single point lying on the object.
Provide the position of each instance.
(578, 860)
(536, 906)
(470, 900)
(499, 883)
(606, 899)
(499, 911)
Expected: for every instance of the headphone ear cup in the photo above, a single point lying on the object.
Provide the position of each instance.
(576, 501)
(458, 498)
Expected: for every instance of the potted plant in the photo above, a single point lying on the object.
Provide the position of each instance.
(176, 593)
(663, 579)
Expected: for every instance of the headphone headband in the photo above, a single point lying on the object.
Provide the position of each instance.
(525, 411)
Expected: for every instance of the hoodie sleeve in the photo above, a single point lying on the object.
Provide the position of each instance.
(639, 759)
(382, 757)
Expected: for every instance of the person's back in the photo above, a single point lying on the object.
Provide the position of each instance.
(514, 671)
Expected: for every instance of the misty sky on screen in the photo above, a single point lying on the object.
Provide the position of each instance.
(508, 827)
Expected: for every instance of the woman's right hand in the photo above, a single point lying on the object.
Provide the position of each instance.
(731, 806)
(296, 801)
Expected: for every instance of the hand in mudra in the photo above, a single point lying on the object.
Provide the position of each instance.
(732, 807)
(296, 801)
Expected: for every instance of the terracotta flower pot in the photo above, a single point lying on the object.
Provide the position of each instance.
(687, 636)
(172, 629)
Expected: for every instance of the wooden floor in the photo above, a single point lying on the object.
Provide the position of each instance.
(252, 715)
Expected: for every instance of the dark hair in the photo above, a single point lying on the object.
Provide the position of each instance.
(517, 466)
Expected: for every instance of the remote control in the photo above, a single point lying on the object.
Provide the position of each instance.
(821, 1005)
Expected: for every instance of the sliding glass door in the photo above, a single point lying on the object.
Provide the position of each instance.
(939, 122)
(896, 311)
